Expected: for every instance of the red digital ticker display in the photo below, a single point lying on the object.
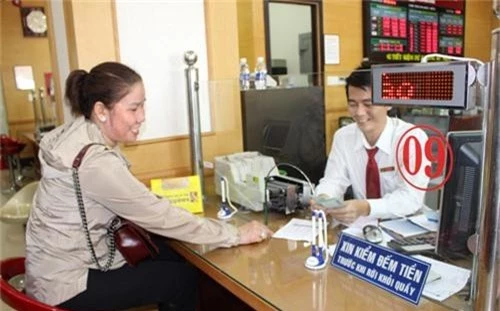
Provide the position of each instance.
(406, 30)
(429, 85)
(457, 5)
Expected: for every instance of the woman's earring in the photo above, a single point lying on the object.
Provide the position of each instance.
(102, 118)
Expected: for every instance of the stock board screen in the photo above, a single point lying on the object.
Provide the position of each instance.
(402, 31)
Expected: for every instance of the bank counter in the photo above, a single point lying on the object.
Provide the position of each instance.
(271, 275)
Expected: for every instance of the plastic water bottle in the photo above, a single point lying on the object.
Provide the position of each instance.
(244, 74)
(260, 74)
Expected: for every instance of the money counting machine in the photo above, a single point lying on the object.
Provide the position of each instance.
(286, 194)
(244, 174)
(253, 180)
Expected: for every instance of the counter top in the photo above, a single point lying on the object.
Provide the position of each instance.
(271, 275)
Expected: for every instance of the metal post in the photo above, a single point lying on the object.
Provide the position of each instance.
(190, 58)
(33, 98)
(487, 276)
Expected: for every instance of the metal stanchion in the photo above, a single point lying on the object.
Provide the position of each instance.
(487, 275)
(190, 58)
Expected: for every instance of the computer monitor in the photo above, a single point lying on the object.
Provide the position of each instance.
(460, 195)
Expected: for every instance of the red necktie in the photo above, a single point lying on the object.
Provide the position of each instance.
(372, 176)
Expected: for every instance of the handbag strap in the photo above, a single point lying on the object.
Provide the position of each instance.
(111, 240)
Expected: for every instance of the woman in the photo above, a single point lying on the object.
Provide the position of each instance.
(108, 103)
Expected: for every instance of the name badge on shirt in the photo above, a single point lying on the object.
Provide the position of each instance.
(387, 169)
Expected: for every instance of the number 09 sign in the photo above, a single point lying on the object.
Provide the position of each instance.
(415, 156)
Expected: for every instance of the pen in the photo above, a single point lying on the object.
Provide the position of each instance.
(432, 217)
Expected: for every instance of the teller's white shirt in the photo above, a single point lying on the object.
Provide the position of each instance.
(346, 166)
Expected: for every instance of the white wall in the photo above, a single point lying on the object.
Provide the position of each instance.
(153, 37)
(286, 23)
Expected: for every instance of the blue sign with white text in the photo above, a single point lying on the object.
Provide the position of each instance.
(399, 274)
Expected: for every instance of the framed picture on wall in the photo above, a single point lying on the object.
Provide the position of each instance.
(34, 21)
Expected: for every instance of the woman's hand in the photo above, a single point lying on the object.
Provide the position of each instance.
(253, 232)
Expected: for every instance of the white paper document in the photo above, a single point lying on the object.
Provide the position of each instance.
(424, 222)
(404, 227)
(452, 279)
(24, 77)
(332, 49)
(296, 229)
(363, 221)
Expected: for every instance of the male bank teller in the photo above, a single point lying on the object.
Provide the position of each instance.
(363, 155)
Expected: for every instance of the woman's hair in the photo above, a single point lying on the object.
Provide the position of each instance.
(107, 83)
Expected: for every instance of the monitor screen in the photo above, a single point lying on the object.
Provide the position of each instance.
(289, 125)
(460, 195)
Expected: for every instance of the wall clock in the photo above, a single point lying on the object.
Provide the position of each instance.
(34, 21)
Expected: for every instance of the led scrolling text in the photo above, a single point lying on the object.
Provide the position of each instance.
(431, 85)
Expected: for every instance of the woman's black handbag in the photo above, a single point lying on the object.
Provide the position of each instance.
(133, 242)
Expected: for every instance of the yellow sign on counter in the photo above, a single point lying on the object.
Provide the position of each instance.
(183, 192)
